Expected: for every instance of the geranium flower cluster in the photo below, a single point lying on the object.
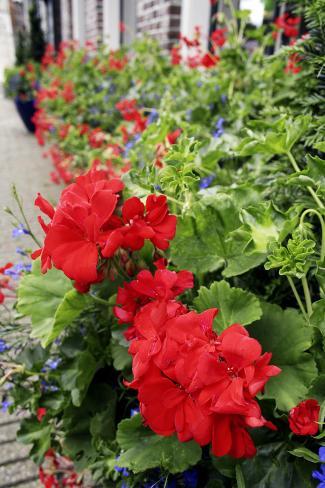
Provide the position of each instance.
(57, 471)
(90, 224)
(197, 56)
(131, 113)
(191, 381)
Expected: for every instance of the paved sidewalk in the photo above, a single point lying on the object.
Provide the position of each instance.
(21, 162)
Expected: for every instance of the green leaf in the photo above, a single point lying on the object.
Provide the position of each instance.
(307, 454)
(199, 244)
(120, 355)
(235, 305)
(72, 305)
(317, 318)
(33, 432)
(286, 335)
(271, 468)
(39, 295)
(77, 376)
(142, 449)
(239, 477)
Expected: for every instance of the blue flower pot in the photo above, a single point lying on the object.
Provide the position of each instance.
(26, 110)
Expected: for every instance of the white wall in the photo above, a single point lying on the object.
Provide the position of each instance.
(111, 20)
(196, 12)
(7, 49)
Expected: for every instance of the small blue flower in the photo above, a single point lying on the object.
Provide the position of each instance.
(51, 364)
(199, 83)
(3, 346)
(153, 116)
(52, 129)
(20, 250)
(321, 454)
(47, 387)
(158, 188)
(191, 478)
(123, 471)
(8, 386)
(134, 411)
(223, 99)
(320, 475)
(219, 126)
(206, 182)
(5, 405)
(16, 270)
(19, 231)
(94, 110)
(188, 115)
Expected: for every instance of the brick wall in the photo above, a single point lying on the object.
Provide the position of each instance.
(159, 19)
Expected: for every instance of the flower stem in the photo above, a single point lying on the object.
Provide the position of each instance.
(99, 300)
(310, 189)
(22, 213)
(296, 294)
(321, 220)
(307, 295)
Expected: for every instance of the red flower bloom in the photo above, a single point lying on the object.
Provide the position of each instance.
(218, 37)
(175, 55)
(288, 25)
(304, 417)
(173, 136)
(209, 60)
(164, 285)
(195, 383)
(96, 137)
(68, 94)
(77, 227)
(85, 226)
(292, 64)
(151, 221)
(41, 412)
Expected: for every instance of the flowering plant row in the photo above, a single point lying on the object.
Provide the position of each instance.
(176, 297)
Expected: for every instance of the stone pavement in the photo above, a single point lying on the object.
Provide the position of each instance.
(21, 162)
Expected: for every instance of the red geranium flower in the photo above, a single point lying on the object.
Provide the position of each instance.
(164, 285)
(304, 417)
(218, 37)
(195, 383)
(288, 25)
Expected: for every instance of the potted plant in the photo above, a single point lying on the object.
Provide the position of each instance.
(21, 84)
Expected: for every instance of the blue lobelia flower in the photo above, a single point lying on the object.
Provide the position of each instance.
(153, 116)
(51, 364)
(16, 270)
(47, 387)
(320, 474)
(191, 478)
(19, 231)
(134, 411)
(219, 126)
(21, 251)
(3, 346)
(206, 182)
(123, 471)
(5, 405)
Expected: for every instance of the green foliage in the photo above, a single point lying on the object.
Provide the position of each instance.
(235, 305)
(142, 449)
(39, 297)
(286, 334)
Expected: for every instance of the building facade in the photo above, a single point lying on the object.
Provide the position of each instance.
(117, 22)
